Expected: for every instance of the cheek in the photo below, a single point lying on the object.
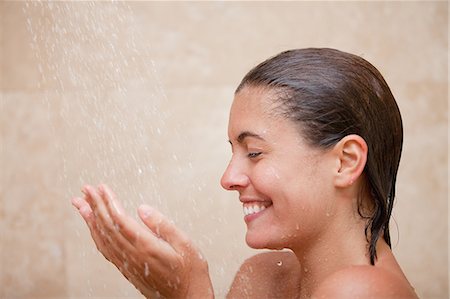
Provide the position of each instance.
(301, 188)
(267, 179)
(286, 188)
(271, 173)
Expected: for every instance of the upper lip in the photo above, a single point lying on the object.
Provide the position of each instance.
(247, 199)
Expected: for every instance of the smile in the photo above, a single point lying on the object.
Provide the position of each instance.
(254, 207)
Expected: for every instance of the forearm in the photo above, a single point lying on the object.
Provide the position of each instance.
(200, 285)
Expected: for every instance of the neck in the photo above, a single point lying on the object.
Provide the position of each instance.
(342, 245)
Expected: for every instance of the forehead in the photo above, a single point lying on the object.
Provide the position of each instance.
(258, 101)
(253, 110)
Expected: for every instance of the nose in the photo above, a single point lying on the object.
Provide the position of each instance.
(234, 177)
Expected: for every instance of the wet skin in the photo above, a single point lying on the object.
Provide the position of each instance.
(295, 196)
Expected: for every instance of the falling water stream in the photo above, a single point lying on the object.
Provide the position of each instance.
(105, 103)
(103, 93)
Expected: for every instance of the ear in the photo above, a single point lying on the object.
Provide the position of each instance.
(351, 157)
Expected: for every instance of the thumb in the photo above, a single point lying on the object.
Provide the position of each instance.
(162, 227)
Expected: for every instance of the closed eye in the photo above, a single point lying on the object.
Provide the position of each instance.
(254, 155)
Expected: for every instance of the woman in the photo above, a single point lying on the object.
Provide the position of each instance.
(316, 137)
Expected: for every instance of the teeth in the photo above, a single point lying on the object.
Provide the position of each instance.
(253, 209)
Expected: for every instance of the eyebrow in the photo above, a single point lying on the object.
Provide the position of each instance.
(246, 134)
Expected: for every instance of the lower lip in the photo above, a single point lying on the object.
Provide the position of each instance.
(251, 217)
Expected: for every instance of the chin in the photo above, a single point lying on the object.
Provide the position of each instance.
(261, 242)
(255, 242)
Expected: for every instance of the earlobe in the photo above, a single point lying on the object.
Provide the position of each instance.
(351, 155)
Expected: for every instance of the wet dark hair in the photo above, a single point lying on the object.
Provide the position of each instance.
(332, 94)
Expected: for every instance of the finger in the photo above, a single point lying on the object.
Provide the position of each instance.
(164, 228)
(131, 231)
(84, 209)
(78, 202)
(125, 229)
(145, 240)
(113, 206)
(112, 246)
(118, 221)
(103, 224)
(127, 226)
(96, 203)
(87, 196)
(87, 214)
(105, 233)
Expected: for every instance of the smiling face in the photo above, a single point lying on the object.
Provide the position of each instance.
(284, 184)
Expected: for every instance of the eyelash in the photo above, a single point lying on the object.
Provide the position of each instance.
(253, 155)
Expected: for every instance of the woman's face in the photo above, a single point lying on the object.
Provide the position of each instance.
(283, 183)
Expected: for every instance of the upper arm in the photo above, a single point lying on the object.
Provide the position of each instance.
(260, 275)
(364, 282)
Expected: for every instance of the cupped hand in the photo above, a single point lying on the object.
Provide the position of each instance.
(158, 258)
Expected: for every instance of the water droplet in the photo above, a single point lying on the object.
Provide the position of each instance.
(279, 263)
(146, 270)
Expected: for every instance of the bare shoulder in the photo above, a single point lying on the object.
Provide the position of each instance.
(365, 282)
(260, 275)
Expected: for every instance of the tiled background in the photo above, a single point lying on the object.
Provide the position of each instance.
(137, 95)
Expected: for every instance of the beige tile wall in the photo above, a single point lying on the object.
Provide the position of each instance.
(137, 95)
